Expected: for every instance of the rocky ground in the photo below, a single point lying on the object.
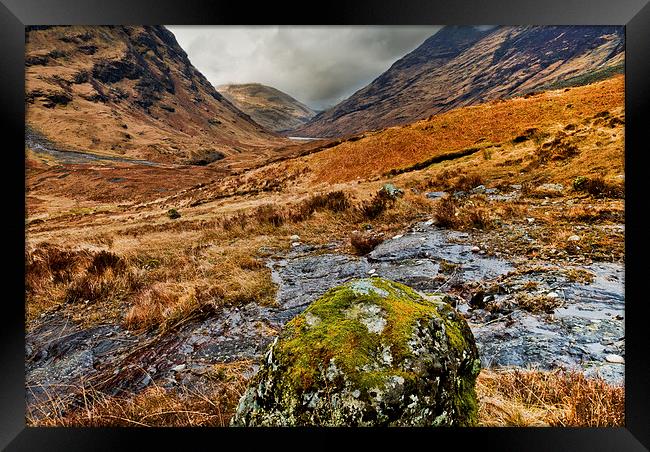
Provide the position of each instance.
(547, 312)
(581, 324)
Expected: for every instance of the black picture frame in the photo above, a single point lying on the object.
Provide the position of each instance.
(633, 14)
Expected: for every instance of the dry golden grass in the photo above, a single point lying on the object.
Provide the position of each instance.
(537, 303)
(599, 187)
(527, 398)
(163, 304)
(463, 214)
(446, 212)
(156, 289)
(494, 122)
(198, 282)
(54, 276)
(579, 275)
(507, 398)
(155, 406)
(589, 214)
(218, 265)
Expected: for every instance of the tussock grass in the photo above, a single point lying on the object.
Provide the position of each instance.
(466, 182)
(537, 303)
(164, 305)
(375, 206)
(451, 179)
(477, 217)
(55, 275)
(197, 283)
(275, 215)
(446, 211)
(527, 398)
(593, 214)
(599, 187)
(462, 215)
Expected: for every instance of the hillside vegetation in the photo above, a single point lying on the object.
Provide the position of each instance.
(166, 281)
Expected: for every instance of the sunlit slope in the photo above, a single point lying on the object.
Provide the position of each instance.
(469, 130)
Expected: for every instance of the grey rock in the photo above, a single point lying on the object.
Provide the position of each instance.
(616, 359)
(392, 191)
(430, 383)
(590, 315)
(436, 194)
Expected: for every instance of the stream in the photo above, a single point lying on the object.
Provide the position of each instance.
(39, 144)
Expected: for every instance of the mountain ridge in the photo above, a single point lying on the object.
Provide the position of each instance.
(464, 65)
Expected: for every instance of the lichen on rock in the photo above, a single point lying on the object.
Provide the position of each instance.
(370, 352)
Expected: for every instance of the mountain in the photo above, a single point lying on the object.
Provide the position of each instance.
(130, 91)
(465, 65)
(267, 106)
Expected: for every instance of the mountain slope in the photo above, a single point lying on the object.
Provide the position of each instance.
(494, 127)
(267, 106)
(129, 91)
(463, 65)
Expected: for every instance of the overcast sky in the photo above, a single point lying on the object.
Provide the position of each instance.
(319, 66)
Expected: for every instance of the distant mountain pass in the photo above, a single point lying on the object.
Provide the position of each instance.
(267, 106)
(465, 65)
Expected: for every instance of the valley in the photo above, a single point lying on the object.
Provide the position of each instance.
(156, 279)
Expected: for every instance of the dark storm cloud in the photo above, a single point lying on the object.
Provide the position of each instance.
(319, 66)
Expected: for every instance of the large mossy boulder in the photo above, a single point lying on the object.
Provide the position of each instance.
(369, 353)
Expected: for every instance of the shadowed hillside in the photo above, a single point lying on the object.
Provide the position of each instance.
(463, 65)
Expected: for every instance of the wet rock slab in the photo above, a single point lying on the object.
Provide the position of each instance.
(413, 259)
(62, 358)
(60, 354)
(587, 328)
(580, 334)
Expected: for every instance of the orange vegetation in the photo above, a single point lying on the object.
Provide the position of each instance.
(397, 147)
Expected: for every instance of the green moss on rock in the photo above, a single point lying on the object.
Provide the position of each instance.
(370, 352)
